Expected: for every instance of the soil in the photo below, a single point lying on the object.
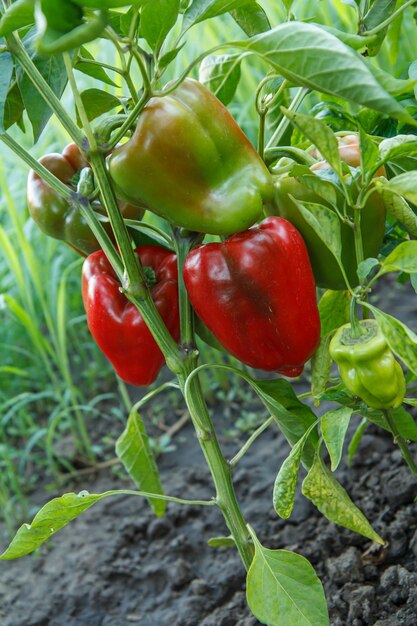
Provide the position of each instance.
(117, 565)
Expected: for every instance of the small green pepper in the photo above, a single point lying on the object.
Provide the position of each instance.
(367, 366)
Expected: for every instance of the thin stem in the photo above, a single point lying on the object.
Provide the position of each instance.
(79, 103)
(261, 134)
(183, 246)
(124, 393)
(134, 281)
(17, 49)
(307, 394)
(282, 126)
(105, 66)
(357, 330)
(401, 442)
(358, 234)
(153, 393)
(144, 226)
(130, 120)
(125, 69)
(250, 441)
(173, 85)
(142, 67)
(45, 174)
(158, 496)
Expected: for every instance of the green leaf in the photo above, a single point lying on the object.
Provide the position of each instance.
(283, 588)
(323, 188)
(321, 366)
(331, 499)
(14, 107)
(398, 208)
(405, 185)
(65, 30)
(309, 56)
(380, 10)
(334, 312)
(368, 152)
(97, 102)
(400, 338)
(220, 73)
(398, 146)
(334, 425)
(324, 222)
(286, 481)
(292, 416)
(127, 18)
(288, 4)
(402, 259)
(6, 71)
(395, 86)
(169, 56)
(49, 520)
(134, 451)
(319, 134)
(200, 10)
(53, 71)
(412, 72)
(157, 19)
(365, 268)
(95, 71)
(251, 18)
(18, 15)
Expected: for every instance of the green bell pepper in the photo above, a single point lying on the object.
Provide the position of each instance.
(367, 366)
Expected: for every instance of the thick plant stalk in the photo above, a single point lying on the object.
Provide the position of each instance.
(219, 468)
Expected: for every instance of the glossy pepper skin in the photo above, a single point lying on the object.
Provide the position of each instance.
(116, 324)
(189, 162)
(256, 294)
(326, 270)
(368, 367)
(54, 215)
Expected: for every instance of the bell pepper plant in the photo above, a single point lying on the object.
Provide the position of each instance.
(271, 253)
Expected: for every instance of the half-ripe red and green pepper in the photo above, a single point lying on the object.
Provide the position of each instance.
(189, 162)
(116, 324)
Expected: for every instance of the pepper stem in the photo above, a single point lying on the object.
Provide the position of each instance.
(356, 328)
(401, 442)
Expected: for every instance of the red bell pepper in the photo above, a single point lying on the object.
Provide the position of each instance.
(256, 293)
(116, 324)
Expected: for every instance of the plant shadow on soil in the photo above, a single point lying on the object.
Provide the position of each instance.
(117, 565)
